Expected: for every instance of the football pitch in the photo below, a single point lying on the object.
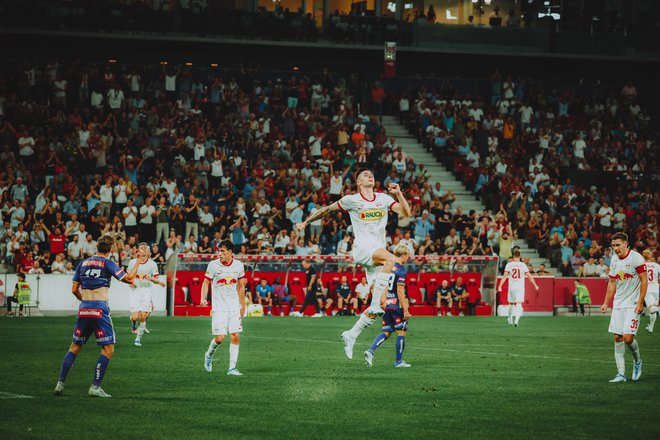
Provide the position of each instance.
(470, 378)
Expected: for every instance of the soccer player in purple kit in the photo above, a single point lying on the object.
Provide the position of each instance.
(396, 311)
(91, 283)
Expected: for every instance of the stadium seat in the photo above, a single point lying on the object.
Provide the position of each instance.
(414, 291)
(431, 286)
(179, 294)
(195, 291)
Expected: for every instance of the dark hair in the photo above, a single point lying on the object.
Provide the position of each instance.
(620, 236)
(362, 170)
(104, 244)
(21, 275)
(516, 254)
(227, 244)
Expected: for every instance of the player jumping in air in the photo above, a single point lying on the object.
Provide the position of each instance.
(651, 298)
(368, 211)
(627, 284)
(141, 304)
(396, 311)
(516, 271)
(227, 278)
(91, 283)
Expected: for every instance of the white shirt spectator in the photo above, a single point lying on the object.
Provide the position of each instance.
(216, 168)
(476, 113)
(120, 193)
(526, 113)
(168, 186)
(89, 248)
(96, 99)
(605, 216)
(105, 192)
(115, 98)
(206, 218)
(336, 184)
(75, 249)
(132, 212)
(579, 145)
(149, 210)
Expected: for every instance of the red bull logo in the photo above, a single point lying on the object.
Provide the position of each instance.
(226, 281)
(78, 332)
(621, 275)
(100, 333)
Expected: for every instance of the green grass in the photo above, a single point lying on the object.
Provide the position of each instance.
(471, 378)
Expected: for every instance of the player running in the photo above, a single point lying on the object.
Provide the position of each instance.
(516, 271)
(227, 278)
(627, 284)
(396, 311)
(651, 298)
(368, 211)
(141, 304)
(91, 283)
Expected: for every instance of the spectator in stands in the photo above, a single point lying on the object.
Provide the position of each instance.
(281, 296)
(542, 272)
(345, 297)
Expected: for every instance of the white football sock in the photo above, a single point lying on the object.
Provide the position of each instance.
(380, 286)
(212, 348)
(140, 330)
(518, 312)
(619, 353)
(233, 355)
(634, 350)
(363, 322)
(653, 317)
(511, 306)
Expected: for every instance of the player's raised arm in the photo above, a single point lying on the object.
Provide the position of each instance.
(319, 214)
(611, 288)
(130, 276)
(401, 205)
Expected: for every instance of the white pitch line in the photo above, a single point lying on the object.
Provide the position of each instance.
(4, 395)
(488, 353)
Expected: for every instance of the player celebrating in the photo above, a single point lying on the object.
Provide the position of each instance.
(368, 211)
(396, 311)
(227, 278)
(147, 274)
(516, 271)
(651, 298)
(627, 284)
(91, 283)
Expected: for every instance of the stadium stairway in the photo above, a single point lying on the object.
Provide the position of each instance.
(438, 173)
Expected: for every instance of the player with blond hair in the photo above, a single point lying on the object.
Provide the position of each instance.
(141, 301)
(651, 298)
(368, 211)
(627, 283)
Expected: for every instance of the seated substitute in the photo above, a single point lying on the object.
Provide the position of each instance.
(346, 297)
(444, 301)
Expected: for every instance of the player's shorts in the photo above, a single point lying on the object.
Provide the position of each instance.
(224, 323)
(94, 317)
(651, 298)
(516, 296)
(393, 320)
(140, 300)
(624, 322)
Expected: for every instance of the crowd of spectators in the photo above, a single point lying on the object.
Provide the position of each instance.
(184, 157)
(522, 152)
(202, 18)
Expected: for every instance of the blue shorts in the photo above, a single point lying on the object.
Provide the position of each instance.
(94, 317)
(393, 320)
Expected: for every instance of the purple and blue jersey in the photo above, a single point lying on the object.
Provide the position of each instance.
(94, 316)
(95, 272)
(397, 278)
(393, 317)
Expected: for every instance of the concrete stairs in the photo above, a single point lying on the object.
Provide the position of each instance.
(438, 173)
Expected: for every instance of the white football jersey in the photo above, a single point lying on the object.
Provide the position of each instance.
(145, 272)
(368, 217)
(653, 269)
(224, 280)
(625, 272)
(517, 271)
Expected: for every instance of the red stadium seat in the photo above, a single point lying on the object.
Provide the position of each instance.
(195, 291)
(179, 294)
(414, 291)
(431, 286)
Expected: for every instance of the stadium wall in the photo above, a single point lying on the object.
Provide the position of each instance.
(51, 294)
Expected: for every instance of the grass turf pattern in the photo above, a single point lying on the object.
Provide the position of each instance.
(470, 378)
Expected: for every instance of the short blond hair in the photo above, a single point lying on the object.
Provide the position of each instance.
(401, 249)
(648, 255)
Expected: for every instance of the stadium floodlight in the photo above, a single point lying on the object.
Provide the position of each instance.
(425, 273)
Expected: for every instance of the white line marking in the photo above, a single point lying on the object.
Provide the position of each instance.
(4, 395)
(489, 353)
